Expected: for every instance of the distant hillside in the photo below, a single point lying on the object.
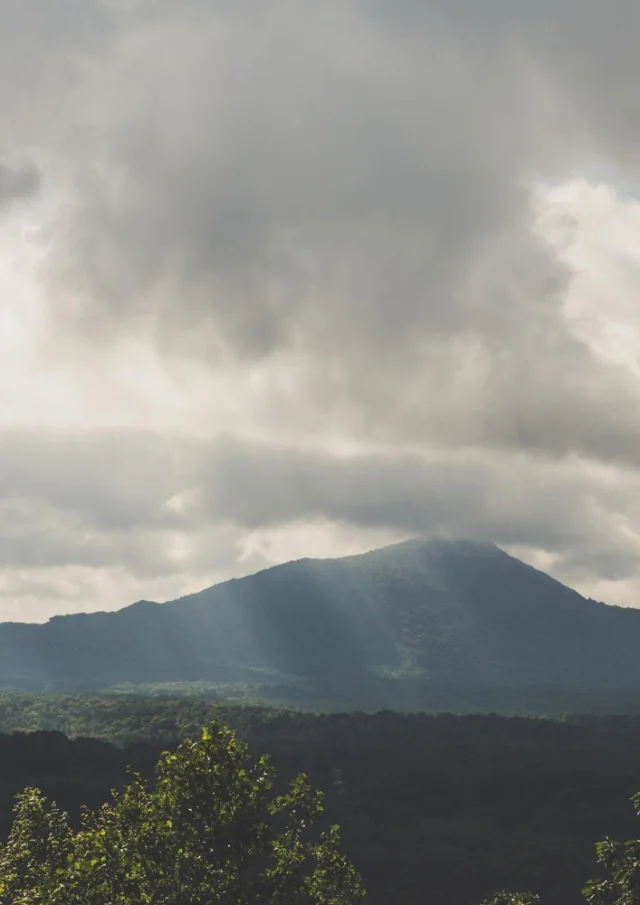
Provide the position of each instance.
(434, 624)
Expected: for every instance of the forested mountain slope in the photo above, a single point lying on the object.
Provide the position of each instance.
(387, 628)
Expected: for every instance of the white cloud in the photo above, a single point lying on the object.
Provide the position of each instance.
(596, 229)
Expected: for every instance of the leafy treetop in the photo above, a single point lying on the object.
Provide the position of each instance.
(211, 830)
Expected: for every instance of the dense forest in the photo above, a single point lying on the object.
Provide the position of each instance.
(121, 720)
(444, 809)
(165, 718)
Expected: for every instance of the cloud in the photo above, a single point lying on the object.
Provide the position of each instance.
(351, 191)
(17, 183)
(358, 238)
(513, 501)
(140, 503)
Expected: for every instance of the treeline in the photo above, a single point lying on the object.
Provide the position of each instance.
(167, 718)
(120, 720)
(442, 809)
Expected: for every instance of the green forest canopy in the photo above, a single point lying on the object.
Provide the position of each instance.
(211, 829)
(439, 808)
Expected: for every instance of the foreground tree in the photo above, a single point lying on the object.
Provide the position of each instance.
(622, 862)
(622, 887)
(512, 898)
(210, 831)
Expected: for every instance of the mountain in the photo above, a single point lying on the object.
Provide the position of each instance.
(434, 624)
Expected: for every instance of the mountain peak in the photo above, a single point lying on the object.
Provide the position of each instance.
(392, 625)
(443, 542)
(433, 547)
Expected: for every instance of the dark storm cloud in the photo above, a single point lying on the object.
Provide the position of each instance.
(344, 194)
(105, 500)
(352, 185)
(470, 493)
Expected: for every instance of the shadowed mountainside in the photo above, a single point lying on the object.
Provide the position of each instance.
(378, 629)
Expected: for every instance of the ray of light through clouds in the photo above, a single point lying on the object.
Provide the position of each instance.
(297, 279)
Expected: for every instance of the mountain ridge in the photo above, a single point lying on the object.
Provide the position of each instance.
(403, 620)
(413, 542)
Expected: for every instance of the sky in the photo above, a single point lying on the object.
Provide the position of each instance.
(293, 279)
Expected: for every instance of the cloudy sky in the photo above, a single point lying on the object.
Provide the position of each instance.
(293, 279)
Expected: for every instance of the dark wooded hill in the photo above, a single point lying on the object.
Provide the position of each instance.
(425, 624)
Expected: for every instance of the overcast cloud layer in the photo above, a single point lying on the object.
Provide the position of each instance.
(295, 279)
